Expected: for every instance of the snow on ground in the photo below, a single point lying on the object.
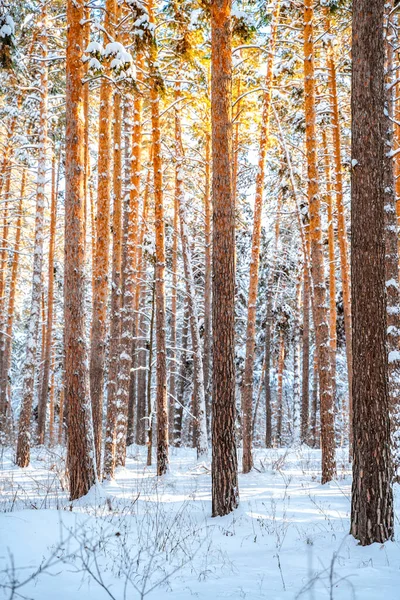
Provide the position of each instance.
(139, 537)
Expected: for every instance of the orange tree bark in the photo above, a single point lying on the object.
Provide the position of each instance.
(317, 258)
(372, 501)
(247, 386)
(80, 452)
(225, 490)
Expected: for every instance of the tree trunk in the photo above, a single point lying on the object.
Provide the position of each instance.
(296, 364)
(142, 329)
(207, 356)
(247, 386)
(102, 258)
(117, 410)
(268, 329)
(317, 257)
(225, 491)
(305, 379)
(115, 324)
(198, 375)
(161, 358)
(372, 500)
(7, 339)
(174, 295)
(279, 398)
(80, 453)
(50, 308)
(24, 433)
(341, 217)
(331, 256)
(182, 375)
(150, 416)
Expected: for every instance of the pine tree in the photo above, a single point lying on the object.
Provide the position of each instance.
(80, 453)
(225, 491)
(372, 501)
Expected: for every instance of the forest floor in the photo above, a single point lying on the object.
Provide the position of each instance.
(140, 537)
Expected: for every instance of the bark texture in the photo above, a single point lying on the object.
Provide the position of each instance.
(80, 451)
(317, 258)
(225, 491)
(372, 502)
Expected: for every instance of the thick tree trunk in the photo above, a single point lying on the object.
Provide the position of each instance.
(225, 491)
(80, 454)
(372, 501)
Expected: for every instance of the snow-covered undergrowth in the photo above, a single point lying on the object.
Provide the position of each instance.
(139, 537)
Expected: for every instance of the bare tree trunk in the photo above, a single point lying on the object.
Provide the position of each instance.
(182, 376)
(102, 258)
(279, 399)
(207, 357)
(268, 329)
(80, 454)
(142, 331)
(247, 386)
(50, 308)
(117, 410)
(24, 433)
(7, 339)
(314, 404)
(331, 256)
(225, 491)
(372, 498)
(341, 217)
(305, 380)
(198, 376)
(173, 353)
(150, 416)
(317, 258)
(115, 325)
(161, 358)
(296, 363)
